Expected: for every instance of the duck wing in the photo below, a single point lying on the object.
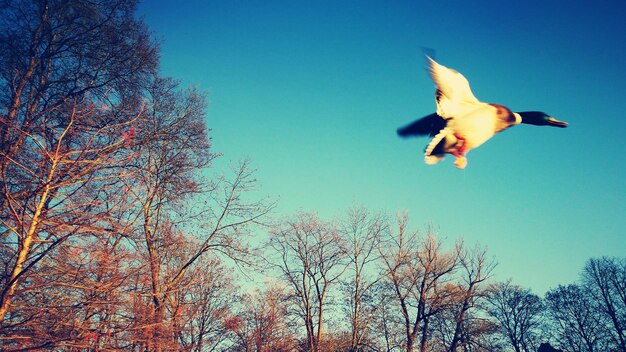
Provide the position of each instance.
(453, 96)
(429, 125)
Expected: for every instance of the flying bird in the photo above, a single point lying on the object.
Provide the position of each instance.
(462, 122)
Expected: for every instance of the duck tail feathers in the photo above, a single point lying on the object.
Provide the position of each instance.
(432, 159)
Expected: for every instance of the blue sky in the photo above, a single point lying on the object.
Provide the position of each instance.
(313, 91)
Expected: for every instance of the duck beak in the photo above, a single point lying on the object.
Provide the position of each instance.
(556, 123)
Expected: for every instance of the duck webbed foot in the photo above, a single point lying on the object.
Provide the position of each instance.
(460, 162)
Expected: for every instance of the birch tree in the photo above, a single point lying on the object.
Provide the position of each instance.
(69, 73)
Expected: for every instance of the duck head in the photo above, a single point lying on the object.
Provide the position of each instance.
(539, 118)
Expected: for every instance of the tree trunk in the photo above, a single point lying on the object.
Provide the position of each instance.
(409, 344)
(24, 248)
(309, 331)
(354, 343)
(424, 339)
(318, 337)
(158, 312)
(459, 320)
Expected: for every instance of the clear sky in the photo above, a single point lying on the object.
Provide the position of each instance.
(313, 91)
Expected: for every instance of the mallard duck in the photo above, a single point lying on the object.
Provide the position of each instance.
(462, 122)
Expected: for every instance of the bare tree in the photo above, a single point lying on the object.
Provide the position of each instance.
(172, 147)
(69, 73)
(201, 308)
(388, 321)
(172, 150)
(606, 280)
(519, 314)
(418, 270)
(363, 232)
(263, 323)
(71, 169)
(311, 260)
(102, 202)
(475, 267)
(575, 320)
(76, 296)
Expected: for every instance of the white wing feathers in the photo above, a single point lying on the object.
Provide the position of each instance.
(454, 96)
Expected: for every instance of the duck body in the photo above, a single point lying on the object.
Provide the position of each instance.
(482, 123)
(462, 122)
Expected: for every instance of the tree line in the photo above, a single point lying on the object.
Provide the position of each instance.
(116, 233)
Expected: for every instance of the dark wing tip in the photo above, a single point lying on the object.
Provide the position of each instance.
(429, 52)
(426, 126)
